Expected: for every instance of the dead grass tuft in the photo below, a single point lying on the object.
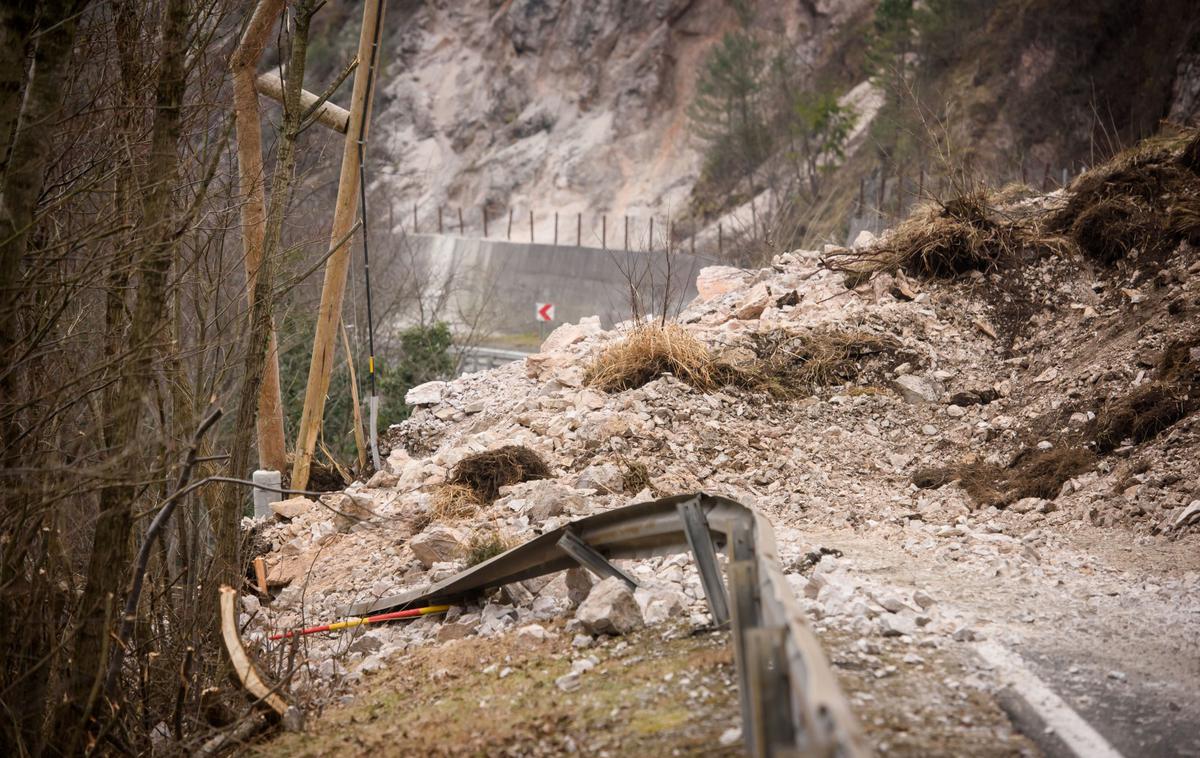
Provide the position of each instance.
(1141, 202)
(483, 474)
(945, 241)
(803, 361)
(650, 351)
(782, 363)
(1033, 473)
(1148, 410)
(452, 502)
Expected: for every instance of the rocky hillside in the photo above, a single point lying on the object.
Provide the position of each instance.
(999, 451)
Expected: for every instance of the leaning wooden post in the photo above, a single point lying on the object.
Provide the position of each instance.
(334, 287)
(272, 449)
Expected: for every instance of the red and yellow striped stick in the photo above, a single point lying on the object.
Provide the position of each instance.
(339, 625)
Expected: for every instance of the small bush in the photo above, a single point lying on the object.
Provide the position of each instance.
(647, 353)
(486, 545)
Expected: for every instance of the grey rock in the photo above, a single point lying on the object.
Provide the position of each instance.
(610, 608)
(917, 389)
(438, 543)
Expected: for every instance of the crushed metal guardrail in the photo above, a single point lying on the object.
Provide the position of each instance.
(790, 699)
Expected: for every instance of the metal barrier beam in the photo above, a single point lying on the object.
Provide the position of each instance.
(591, 559)
(792, 704)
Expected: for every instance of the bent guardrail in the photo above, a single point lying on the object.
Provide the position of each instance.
(790, 699)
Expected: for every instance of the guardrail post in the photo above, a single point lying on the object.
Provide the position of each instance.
(591, 558)
(695, 526)
(770, 699)
(743, 588)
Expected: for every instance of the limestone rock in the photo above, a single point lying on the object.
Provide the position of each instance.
(429, 393)
(754, 303)
(610, 608)
(569, 334)
(714, 281)
(292, 507)
(579, 585)
(438, 543)
(918, 389)
(604, 477)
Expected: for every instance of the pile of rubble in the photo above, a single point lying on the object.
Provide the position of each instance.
(832, 465)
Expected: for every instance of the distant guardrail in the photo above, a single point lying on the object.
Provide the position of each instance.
(474, 359)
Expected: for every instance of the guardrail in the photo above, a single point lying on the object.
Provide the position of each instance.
(790, 699)
(474, 359)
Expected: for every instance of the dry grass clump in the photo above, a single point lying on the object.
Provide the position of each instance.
(1144, 200)
(943, 241)
(803, 361)
(452, 502)
(478, 478)
(650, 351)
(485, 545)
(1148, 410)
(1033, 473)
(784, 363)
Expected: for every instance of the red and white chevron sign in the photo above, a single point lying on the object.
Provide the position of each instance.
(544, 311)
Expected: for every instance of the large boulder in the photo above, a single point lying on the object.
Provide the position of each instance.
(438, 543)
(292, 507)
(610, 608)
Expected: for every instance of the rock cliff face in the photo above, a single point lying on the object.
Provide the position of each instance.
(555, 106)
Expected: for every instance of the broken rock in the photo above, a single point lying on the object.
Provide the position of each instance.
(292, 507)
(610, 608)
(714, 281)
(438, 543)
(917, 389)
(429, 393)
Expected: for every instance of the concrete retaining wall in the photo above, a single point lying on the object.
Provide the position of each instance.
(499, 282)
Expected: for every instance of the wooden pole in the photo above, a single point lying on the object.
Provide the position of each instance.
(360, 441)
(334, 287)
(272, 448)
(327, 114)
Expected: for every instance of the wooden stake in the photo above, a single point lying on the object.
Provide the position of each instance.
(272, 448)
(260, 574)
(334, 287)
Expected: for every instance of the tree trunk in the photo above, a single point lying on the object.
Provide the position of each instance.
(260, 346)
(111, 543)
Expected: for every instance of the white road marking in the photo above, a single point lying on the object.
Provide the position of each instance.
(1068, 726)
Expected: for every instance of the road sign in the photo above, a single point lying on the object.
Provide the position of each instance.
(544, 311)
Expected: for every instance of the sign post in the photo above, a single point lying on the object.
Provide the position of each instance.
(543, 313)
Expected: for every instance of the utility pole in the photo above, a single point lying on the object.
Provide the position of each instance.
(334, 287)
